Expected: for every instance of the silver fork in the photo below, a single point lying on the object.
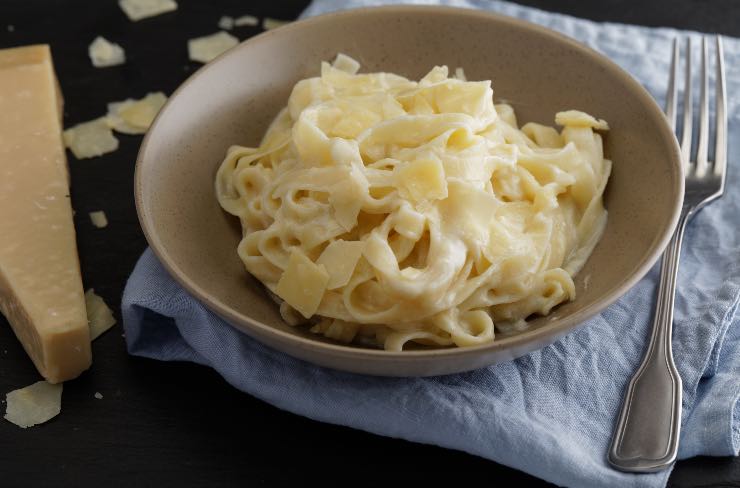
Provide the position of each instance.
(646, 435)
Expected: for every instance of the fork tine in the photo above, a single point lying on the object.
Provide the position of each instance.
(670, 105)
(701, 148)
(687, 111)
(720, 152)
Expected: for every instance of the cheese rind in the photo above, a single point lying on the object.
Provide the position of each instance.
(41, 291)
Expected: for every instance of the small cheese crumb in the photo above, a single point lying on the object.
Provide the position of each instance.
(90, 139)
(99, 316)
(250, 20)
(34, 404)
(203, 49)
(135, 116)
(104, 53)
(99, 219)
(269, 24)
(226, 23)
(11, 28)
(98, 395)
(141, 9)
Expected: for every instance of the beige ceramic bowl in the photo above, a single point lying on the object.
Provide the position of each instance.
(234, 98)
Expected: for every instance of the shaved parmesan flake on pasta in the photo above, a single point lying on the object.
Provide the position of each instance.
(104, 53)
(135, 116)
(99, 316)
(90, 139)
(142, 9)
(204, 49)
(340, 260)
(99, 219)
(576, 118)
(302, 284)
(34, 404)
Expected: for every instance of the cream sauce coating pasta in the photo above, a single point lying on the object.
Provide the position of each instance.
(388, 211)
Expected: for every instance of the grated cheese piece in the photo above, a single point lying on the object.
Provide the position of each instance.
(203, 49)
(136, 10)
(104, 53)
(99, 219)
(269, 24)
(98, 395)
(250, 20)
(90, 139)
(302, 284)
(99, 316)
(135, 116)
(226, 22)
(34, 404)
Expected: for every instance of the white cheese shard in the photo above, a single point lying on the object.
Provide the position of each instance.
(99, 219)
(41, 291)
(576, 118)
(34, 404)
(244, 20)
(226, 22)
(135, 116)
(344, 63)
(422, 179)
(302, 284)
(90, 139)
(204, 49)
(98, 395)
(136, 10)
(104, 53)
(340, 260)
(99, 315)
(269, 24)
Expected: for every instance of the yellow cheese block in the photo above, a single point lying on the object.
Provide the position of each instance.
(41, 291)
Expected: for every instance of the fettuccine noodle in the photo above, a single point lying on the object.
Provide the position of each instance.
(391, 211)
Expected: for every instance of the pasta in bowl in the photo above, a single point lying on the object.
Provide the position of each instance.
(393, 212)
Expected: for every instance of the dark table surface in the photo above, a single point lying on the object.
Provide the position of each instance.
(167, 424)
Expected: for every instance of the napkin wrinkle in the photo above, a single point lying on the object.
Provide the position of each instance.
(551, 412)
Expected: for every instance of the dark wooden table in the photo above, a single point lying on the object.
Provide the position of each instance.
(175, 424)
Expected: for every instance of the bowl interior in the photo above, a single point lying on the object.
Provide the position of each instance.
(232, 101)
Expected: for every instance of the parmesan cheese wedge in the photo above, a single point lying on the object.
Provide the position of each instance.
(34, 404)
(41, 291)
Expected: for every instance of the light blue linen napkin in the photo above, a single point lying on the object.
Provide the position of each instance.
(551, 412)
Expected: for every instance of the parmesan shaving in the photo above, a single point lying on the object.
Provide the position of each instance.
(98, 395)
(104, 53)
(34, 404)
(226, 23)
(204, 49)
(136, 10)
(135, 116)
(99, 315)
(269, 24)
(90, 139)
(250, 20)
(99, 219)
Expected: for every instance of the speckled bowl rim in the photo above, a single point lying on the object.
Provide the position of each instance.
(542, 335)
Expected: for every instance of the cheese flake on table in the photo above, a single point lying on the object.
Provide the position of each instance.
(99, 219)
(142, 9)
(91, 139)
(302, 284)
(204, 49)
(98, 395)
(226, 22)
(99, 316)
(104, 53)
(41, 291)
(249, 20)
(34, 404)
(135, 116)
(269, 24)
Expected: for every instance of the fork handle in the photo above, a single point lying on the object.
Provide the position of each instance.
(646, 436)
